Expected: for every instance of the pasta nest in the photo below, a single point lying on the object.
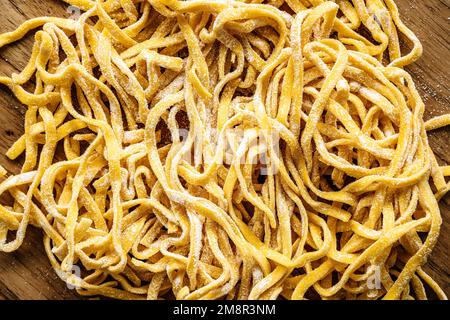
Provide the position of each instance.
(226, 150)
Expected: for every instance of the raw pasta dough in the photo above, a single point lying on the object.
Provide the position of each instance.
(226, 150)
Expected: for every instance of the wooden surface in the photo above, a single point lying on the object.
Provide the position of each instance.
(26, 273)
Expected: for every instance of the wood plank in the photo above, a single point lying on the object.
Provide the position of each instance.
(26, 274)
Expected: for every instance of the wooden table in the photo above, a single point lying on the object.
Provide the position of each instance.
(26, 273)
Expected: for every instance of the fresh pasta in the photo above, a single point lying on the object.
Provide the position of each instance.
(226, 150)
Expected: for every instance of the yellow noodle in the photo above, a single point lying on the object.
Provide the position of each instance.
(226, 150)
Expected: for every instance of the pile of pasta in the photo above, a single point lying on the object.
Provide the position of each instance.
(226, 150)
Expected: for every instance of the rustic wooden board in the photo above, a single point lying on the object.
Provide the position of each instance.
(26, 274)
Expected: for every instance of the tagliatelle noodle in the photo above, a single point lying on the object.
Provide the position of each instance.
(226, 150)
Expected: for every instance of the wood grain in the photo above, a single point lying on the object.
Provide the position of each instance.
(26, 273)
